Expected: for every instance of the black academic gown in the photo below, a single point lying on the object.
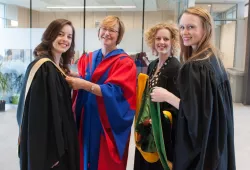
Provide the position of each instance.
(167, 80)
(48, 130)
(205, 128)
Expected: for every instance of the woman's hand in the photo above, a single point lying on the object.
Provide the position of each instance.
(75, 83)
(73, 74)
(147, 122)
(160, 94)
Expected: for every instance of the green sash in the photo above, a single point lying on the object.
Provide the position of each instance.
(149, 139)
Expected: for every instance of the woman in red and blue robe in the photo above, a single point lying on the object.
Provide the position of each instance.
(105, 101)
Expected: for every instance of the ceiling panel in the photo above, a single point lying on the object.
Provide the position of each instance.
(216, 8)
(150, 5)
(205, 6)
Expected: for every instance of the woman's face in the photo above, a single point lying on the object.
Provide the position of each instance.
(191, 30)
(63, 40)
(163, 41)
(109, 36)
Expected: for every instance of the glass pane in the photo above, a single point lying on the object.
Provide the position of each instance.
(225, 11)
(162, 11)
(131, 16)
(1, 10)
(225, 30)
(44, 13)
(15, 47)
(1, 23)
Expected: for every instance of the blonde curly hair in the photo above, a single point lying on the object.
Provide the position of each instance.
(174, 31)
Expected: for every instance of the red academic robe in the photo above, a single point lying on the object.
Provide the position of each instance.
(105, 122)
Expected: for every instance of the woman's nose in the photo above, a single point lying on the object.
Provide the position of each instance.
(185, 31)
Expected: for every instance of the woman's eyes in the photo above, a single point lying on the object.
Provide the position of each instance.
(165, 39)
(188, 27)
(60, 34)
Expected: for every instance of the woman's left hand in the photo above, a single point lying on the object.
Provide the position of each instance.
(75, 83)
(159, 94)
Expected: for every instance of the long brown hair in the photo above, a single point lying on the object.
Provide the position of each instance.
(206, 44)
(50, 34)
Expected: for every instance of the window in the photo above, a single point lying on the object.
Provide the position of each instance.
(2, 11)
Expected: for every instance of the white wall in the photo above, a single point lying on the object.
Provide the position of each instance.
(227, 41)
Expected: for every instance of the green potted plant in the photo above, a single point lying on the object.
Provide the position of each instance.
(3, 89)
(14, 99)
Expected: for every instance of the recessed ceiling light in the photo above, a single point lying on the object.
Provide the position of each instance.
(90, 7)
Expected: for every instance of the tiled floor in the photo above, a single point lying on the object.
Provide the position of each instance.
(9, 133)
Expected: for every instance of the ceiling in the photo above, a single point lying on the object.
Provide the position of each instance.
(220, 1)
(150, 5)
(216, 8)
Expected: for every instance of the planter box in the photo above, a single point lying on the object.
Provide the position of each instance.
(2, 105)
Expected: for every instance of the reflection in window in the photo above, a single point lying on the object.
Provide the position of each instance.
(2, 11)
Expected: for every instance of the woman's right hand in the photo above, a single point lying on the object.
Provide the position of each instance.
(75, 83)
(73, 74)
(160, 94)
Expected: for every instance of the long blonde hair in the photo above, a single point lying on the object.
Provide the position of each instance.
(206, 44)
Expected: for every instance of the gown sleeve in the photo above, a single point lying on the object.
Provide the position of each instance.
(196, 100)
(201, 124)
(119, 96)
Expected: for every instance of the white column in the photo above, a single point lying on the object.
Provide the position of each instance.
(240, 38)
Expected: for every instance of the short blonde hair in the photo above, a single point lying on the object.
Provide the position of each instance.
(109, 22)
(151, 33)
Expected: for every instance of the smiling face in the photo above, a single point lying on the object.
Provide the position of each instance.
(163, 42)
(109, 35)
(63, 41)
(191, 30)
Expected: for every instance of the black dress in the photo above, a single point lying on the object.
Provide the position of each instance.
(205, 128)
(48, 130)
(166, 78)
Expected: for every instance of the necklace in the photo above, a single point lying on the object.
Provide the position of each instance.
(156, 72)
